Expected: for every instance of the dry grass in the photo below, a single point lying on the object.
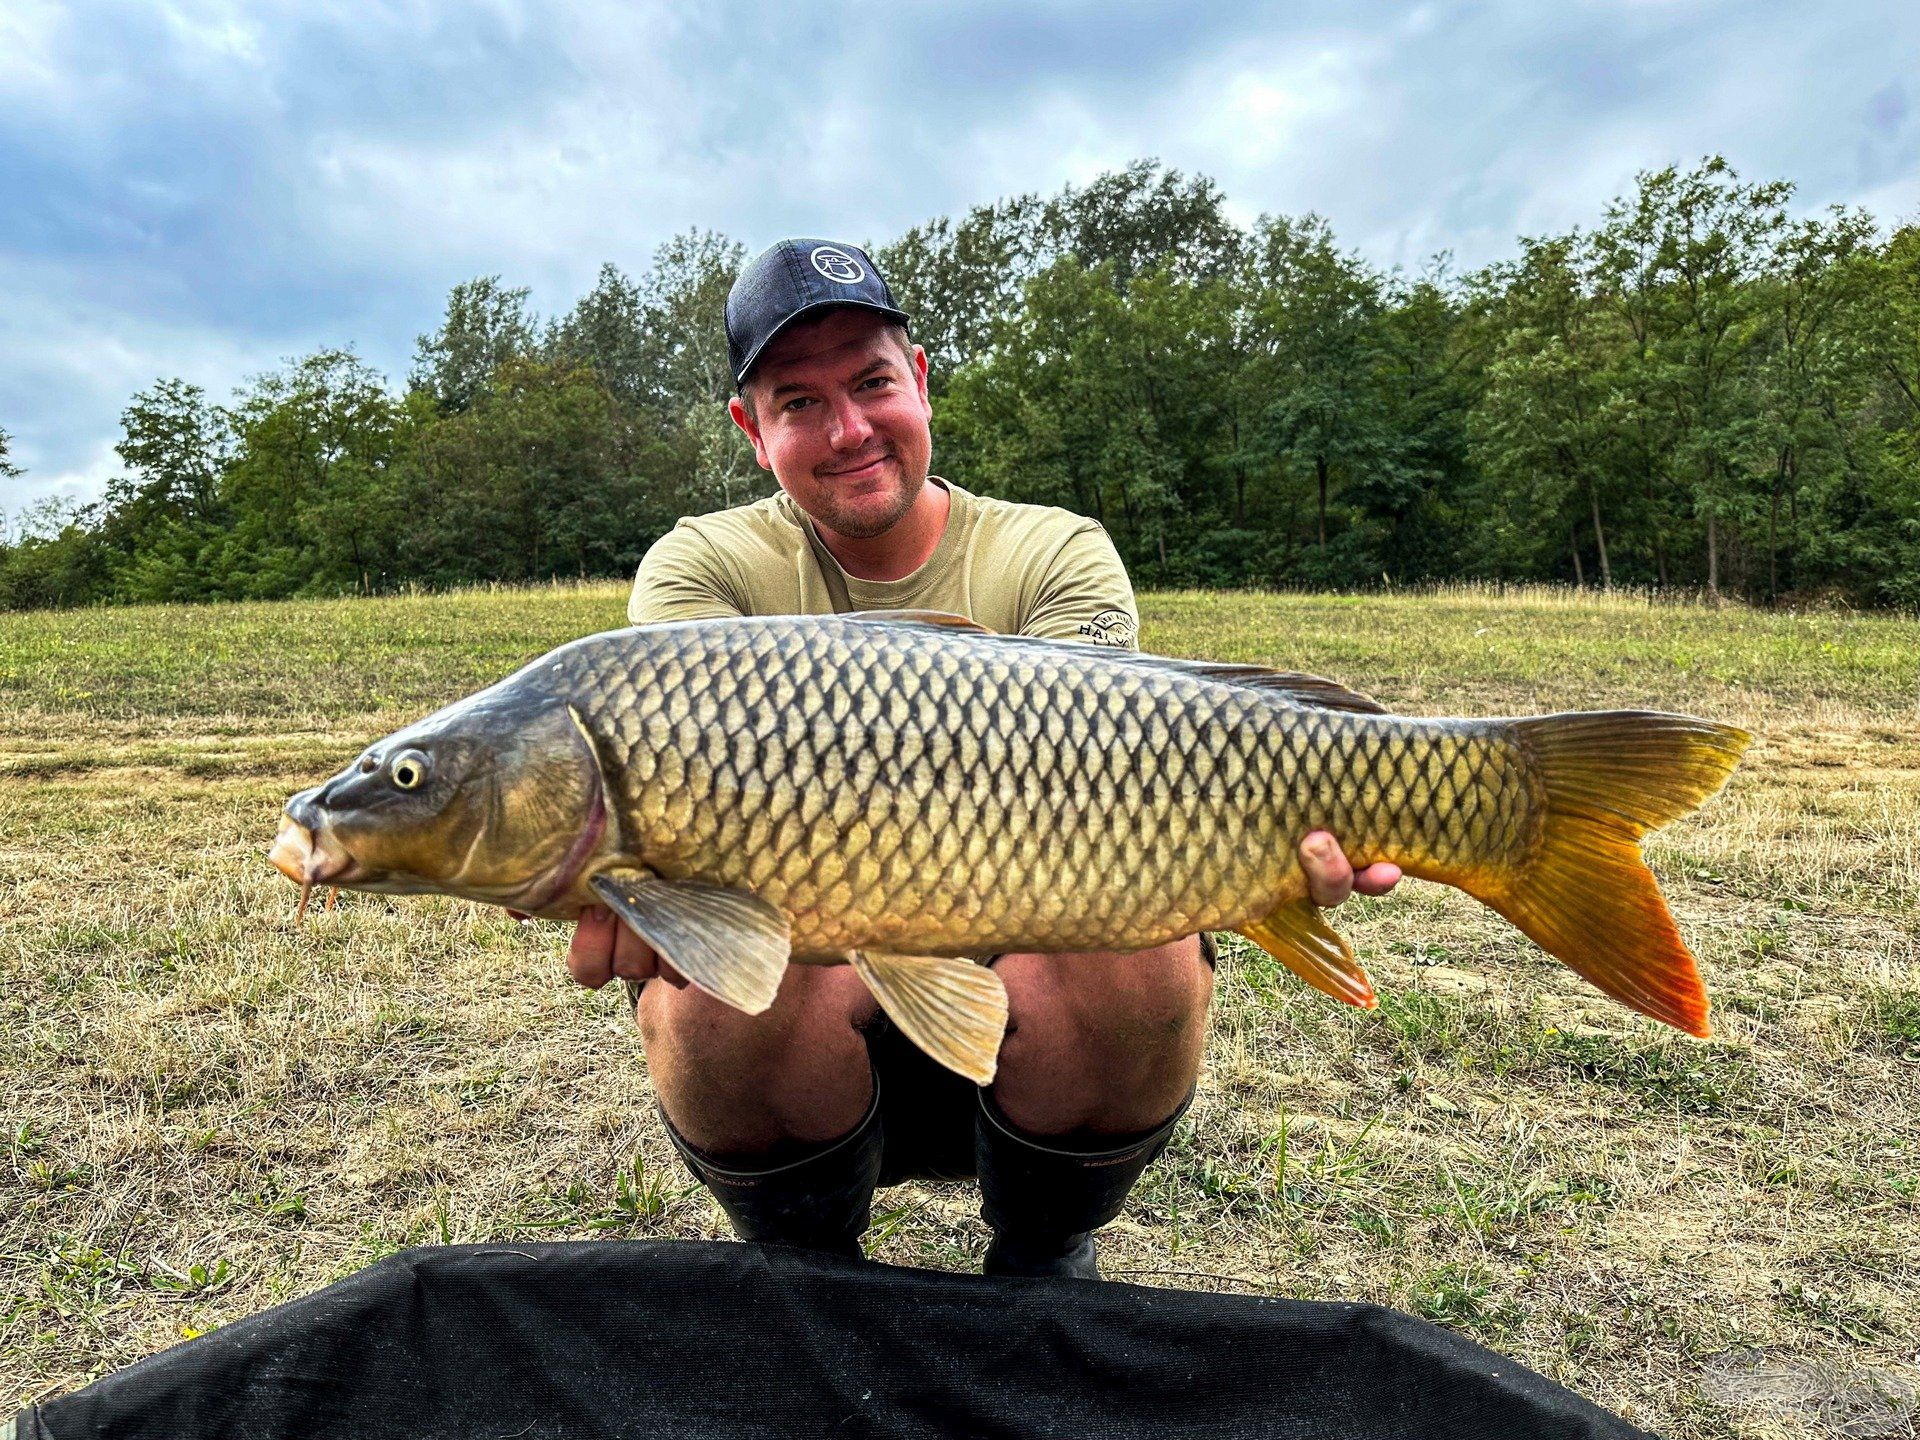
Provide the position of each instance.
(207, 1110)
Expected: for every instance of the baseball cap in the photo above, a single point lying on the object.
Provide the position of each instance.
(793, 278)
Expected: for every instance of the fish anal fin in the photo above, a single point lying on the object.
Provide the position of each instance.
(731, 944)
(953, 1009)
(1299, 937)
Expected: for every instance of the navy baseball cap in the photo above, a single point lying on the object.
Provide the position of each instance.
(794, 278)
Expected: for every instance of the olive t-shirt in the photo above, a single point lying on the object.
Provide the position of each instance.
(1015, 569)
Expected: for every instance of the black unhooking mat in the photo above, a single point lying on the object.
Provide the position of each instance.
(693, 1339)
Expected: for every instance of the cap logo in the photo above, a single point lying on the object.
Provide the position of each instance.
(837, 265)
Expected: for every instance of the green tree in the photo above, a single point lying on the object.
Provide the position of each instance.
(1813, 372)
(159, 516)
(1893, 346)
(963, 281)
(172, 444)
(486, 324)
(608, 330)
(1543, 438)
(537, 479)
(1141, 219)
(1101, 400)
(310, 488)
(1322, 308)
(56, 558)
(1680, 258)
(1865, 536)
(686, 297)
(1428, 370)
(1699, 390)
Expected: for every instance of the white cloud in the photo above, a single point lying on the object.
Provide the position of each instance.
(69, 367)
(1262, 117)
(29, 60)
(78, 484)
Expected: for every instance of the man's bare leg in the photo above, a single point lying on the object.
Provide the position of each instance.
(735, 1084)
(774, 1113)
(1105, 1042)
(1097, 1070)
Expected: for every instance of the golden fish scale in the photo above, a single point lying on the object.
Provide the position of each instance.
(936, 791)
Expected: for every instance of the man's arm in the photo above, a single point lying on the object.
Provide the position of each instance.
(682, 577)
(1085, 594)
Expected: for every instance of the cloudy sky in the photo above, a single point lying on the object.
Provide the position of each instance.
(202, 189)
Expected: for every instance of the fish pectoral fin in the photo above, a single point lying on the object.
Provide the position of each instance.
(1299, 937)
(733, 945)
(954, 1009)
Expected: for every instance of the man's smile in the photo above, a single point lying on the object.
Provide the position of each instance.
(863, 471)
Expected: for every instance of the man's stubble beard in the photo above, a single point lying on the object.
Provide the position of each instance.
(868, 527)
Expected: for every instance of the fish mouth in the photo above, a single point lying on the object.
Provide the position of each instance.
(310, 860)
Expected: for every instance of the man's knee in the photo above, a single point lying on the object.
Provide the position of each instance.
(735, 1083)
(1103, 1042)
(1150, 997)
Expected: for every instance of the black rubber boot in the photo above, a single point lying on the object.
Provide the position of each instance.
(1044, 1196)
(820, 1200)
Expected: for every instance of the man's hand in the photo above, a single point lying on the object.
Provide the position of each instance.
(603, 948)
(1330, 879)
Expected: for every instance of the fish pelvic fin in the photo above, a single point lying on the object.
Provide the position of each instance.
(731, 944)
(954, 1009)
(1586, 895)
(1299, 937)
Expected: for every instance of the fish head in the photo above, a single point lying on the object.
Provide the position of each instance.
(498, 799)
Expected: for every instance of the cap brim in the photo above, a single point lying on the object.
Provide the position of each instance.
(899, 317)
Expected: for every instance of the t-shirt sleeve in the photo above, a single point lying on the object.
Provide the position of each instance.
(681, 577)
(1085, 594)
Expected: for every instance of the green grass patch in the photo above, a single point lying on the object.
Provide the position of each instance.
(1893, 1023)
(210, 1110)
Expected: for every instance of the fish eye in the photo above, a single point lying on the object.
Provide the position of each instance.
(408, 770)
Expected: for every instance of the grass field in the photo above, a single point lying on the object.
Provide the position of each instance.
(205, 1110)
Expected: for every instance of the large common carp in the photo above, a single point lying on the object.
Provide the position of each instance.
(898, 790)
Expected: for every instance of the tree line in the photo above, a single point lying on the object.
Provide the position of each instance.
(1702, 391)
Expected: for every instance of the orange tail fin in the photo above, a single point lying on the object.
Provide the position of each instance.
(1586, 896)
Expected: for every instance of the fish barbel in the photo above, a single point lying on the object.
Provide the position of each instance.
(903, 790)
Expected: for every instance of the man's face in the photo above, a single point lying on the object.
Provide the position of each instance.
(840, 415)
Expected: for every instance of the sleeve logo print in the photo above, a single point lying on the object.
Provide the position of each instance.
(1111, 627)
(837, 265)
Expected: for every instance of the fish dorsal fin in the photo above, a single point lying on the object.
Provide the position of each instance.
(1299, 689)
(945, 619)
(954, 1009)
(733, 945)
(1311, 690)
(1299, 937)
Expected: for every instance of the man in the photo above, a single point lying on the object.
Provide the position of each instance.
(792, 1117)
